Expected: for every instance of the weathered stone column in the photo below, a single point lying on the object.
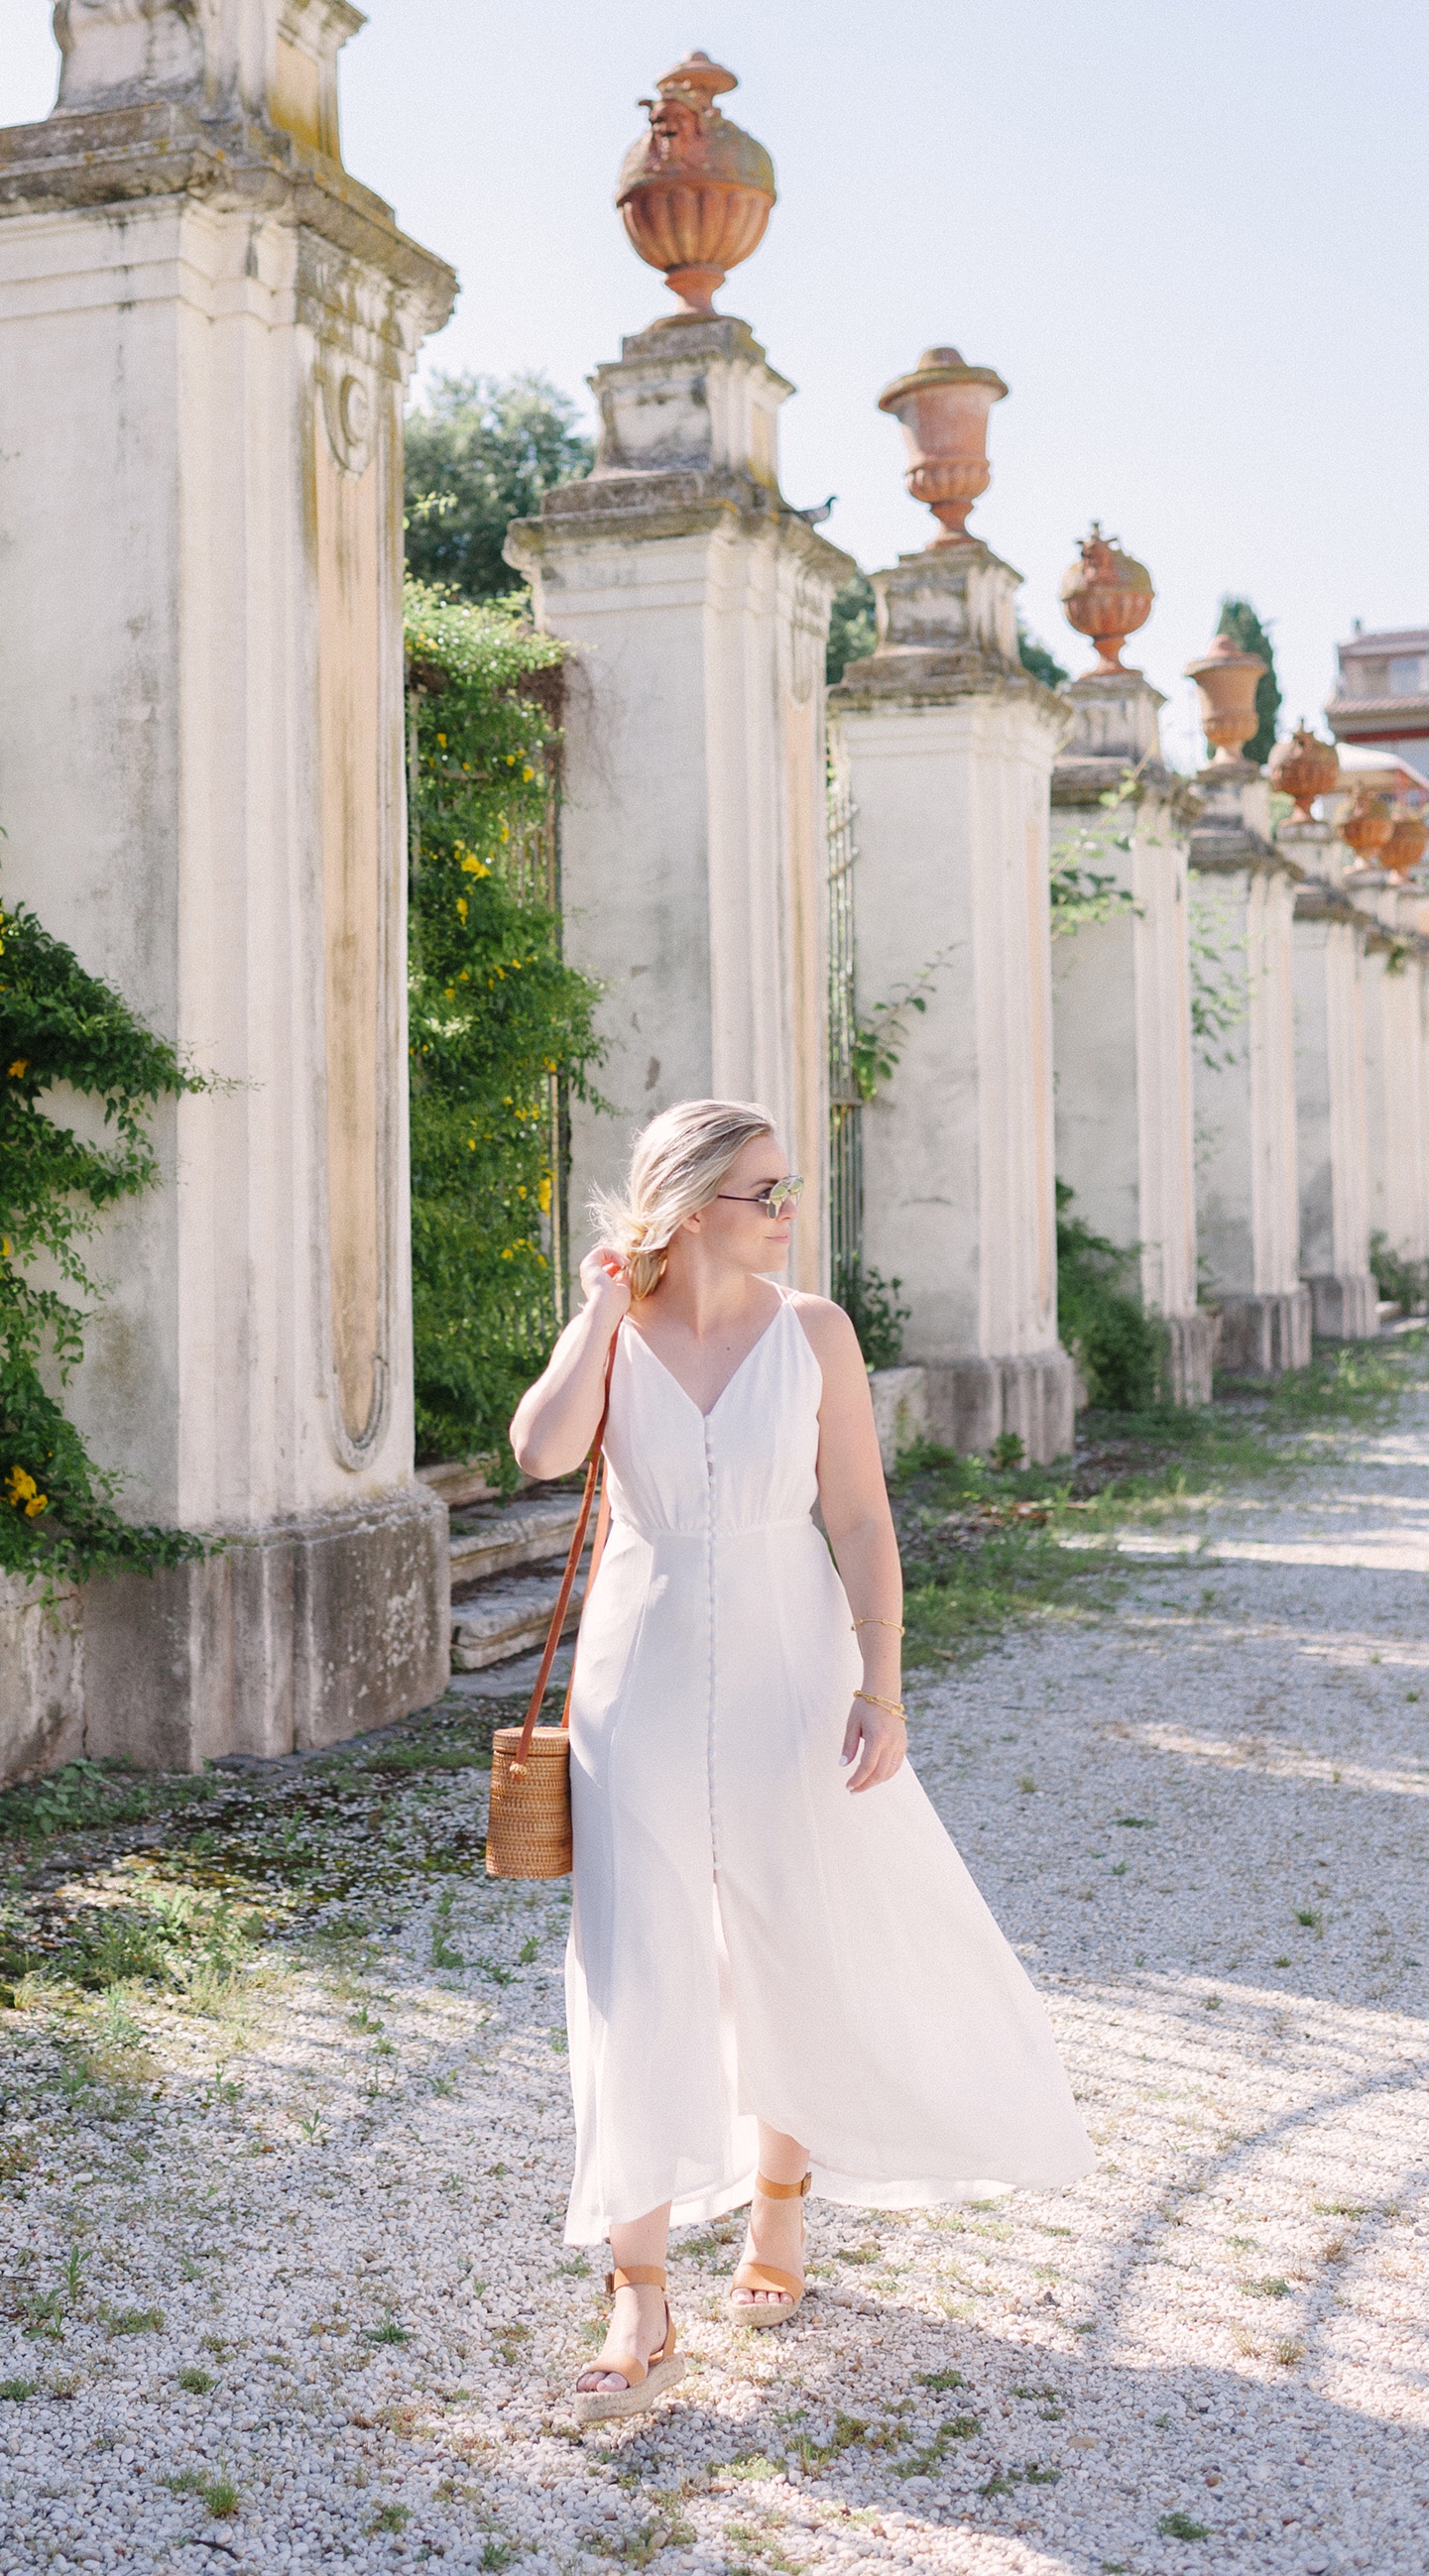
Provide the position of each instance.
(948, 745)
(206, 327)
(1248, 1204)
(1121, 1010)
(1396, 1061)
(1332, 1148)
(693, 830)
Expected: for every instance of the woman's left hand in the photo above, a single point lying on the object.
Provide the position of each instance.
(878, 1740)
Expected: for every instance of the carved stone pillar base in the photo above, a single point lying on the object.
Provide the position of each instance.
(1190, 1356)
(1345, 1309)
(309, 1631)
(973, 1403)
(1266, 1335)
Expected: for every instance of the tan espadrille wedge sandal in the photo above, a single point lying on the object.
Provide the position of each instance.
(645, 2380)
(766, 2276)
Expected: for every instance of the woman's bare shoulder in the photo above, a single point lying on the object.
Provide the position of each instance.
(831, 1335)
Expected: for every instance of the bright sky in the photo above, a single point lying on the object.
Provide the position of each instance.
(1190, 239)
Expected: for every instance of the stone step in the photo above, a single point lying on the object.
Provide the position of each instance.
(501, 1536)
(508, 1615)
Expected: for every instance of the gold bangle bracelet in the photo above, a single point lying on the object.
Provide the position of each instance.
(895, 1624)
(894, 1707)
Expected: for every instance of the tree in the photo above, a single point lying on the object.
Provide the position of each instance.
(1036, 658)
(496, 1018)
(852, 628)
(481, 452)
(1238, 620)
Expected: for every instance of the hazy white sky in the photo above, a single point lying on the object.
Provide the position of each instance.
(1192, 239)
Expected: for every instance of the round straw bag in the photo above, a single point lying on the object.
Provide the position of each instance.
(528, 1832)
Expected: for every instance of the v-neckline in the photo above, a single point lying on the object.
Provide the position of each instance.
(729, 1381)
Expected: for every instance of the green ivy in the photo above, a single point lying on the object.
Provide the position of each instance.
(498, 1022)
(59, 1025)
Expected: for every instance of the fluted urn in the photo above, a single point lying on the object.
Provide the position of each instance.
(1226, 682)
(1106, 596)
(1366, 826)
(1304, 767)
(943, 407)
(1407, 842)
(695, 192)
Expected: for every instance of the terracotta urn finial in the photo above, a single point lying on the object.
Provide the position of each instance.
(1304, 767)
(695, 192)
(1367, 826)
(1407, 842)
(1106, 596)
(943, 407)
(1226, 682)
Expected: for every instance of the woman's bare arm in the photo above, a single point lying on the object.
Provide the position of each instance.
(853, 1499)
(557, 1418)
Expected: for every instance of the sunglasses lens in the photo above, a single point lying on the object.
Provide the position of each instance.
(785, 1194)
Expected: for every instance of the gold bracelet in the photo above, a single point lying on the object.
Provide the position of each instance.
(896, 1625)
(894, 1707)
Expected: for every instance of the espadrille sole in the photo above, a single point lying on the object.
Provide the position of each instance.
(608, 2405)
(760, 2312)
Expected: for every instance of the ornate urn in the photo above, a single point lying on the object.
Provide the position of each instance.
(1304, 767)
(695, 192)
(1106, 596)
(943, 407)
(1407, 842)
(1367, 826)
(1226, 682)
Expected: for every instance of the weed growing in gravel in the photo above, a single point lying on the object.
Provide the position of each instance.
(197, 2382)
(1179, 2526)
(15, 2391)
(219, 2494)
(390, 2517)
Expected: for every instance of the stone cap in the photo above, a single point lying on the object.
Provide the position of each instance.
(628, 509)
(1083, 778)
(168, 148)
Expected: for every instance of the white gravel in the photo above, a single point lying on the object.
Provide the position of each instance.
(1223, 2331)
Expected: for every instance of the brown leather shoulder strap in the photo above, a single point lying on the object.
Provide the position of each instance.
(563, 1597)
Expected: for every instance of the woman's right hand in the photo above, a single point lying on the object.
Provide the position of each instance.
(606, 1282)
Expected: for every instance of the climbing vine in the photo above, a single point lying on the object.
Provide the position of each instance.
(61, 1026)
(500, 1027)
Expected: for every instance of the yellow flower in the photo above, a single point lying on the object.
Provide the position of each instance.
(543, 1196)
(20, 1486)
(528, 773)
(37, 1504)
(20, 1065)
(461, 906)
(5, 1246)
(442, 740)
(471, 867)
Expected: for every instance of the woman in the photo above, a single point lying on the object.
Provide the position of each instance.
(779, 1971)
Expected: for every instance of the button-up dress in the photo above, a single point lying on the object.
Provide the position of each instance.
(748, 1940)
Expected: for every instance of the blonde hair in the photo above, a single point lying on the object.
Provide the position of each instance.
(677, 1165)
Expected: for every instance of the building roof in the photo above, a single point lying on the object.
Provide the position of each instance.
(1395, 639)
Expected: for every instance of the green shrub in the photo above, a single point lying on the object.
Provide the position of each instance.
(1117, 1346)
(1405, 1281)
(869, 1301)
(59, 1025)
(500, 1026)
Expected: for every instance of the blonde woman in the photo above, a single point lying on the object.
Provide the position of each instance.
(780, 1976)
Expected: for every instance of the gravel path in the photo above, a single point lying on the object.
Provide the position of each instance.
(284, 2268)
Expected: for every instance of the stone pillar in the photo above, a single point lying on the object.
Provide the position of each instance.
(206, 328)
(1396, 1060)
(1331, 1137)
(1243, 892)
(948, 745)
(1121, 1009)
(693, 849)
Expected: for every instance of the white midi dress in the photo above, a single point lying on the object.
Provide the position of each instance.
(747, 1937)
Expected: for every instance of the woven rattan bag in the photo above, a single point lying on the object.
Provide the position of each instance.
(528, 1833)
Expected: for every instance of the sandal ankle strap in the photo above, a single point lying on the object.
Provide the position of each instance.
(781, 2190)
(637, 2276)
